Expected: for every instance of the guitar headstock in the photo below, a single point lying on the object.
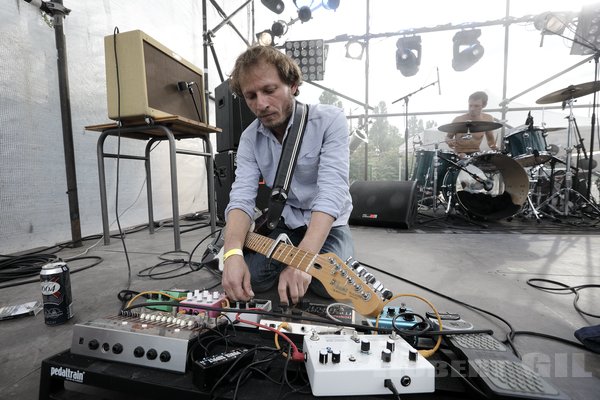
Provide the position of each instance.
(343, 283)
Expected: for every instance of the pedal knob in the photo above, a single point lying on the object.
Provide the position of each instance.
(365, 346)
(323, 355)
(336, 356)
(386, 355)
(413, 355)
(390, 345)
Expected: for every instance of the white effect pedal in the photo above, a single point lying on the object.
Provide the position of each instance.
(340, 365)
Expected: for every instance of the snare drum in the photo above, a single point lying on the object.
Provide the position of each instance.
(527, 146)
(506, 180)
(423, 170)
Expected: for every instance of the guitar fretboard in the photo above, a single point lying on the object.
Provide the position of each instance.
(284, 253)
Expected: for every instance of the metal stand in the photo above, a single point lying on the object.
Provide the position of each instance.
(153, 133)
(568, 187)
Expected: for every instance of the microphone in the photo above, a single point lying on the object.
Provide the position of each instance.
(438, 76)
(488, 184)
(181, 85)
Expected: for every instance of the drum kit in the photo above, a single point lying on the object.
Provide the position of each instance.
(500, 184)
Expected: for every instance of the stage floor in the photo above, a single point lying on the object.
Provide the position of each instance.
(486, 265)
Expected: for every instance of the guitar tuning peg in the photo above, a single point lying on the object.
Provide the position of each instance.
(387, 294)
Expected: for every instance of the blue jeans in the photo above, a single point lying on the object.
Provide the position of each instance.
(265, 272)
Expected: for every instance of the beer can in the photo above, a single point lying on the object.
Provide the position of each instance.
(56, 292)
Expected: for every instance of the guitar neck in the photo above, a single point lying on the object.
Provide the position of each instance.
(284, 253)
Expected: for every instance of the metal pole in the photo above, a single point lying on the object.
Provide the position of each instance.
(367, 89)
(505, 77)
(67, 127)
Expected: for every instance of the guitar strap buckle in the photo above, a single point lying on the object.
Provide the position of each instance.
(282, 238)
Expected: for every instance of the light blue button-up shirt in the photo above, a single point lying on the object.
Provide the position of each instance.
(320, 181)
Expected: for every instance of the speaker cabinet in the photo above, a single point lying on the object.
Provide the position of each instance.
(146, 83)
(232, 116)
(390, 204)
(225, 165)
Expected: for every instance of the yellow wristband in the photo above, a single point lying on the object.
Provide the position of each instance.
(233, 252)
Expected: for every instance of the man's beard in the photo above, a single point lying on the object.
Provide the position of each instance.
(282, 123)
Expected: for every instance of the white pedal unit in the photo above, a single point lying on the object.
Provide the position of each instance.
(344, 365)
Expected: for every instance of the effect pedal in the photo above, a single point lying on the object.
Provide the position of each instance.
(351, 365)
(450, 321)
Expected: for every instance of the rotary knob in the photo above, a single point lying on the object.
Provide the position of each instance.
(365, 345)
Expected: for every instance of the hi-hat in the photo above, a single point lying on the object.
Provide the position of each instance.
(470, 126)
(568, 93)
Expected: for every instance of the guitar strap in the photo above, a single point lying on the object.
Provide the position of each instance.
(287, 164)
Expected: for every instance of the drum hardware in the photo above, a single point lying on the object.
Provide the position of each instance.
(470, 127)
(488, 185)
(430, 168)
(567, 96)
(527, 145)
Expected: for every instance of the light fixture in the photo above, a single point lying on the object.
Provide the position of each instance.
(304, 9)
(279, 28)
(587, 35)
(331, 4)
(276, 6)
(408, 55)
(355, 49)
(552, 23)
(466, 50)
(310, 57)
(265, 38)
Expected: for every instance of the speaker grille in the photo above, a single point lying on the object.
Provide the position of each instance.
(390, 204)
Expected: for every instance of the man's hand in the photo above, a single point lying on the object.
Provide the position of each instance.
(293, 283)
(236, 279)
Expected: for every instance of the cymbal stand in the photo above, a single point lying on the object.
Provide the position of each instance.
(568, 187)
(435, 176)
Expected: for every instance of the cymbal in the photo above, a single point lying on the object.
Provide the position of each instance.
(554, 129)
(470, 126)
(570, 92)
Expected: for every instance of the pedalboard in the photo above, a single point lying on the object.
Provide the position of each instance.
(353, 365)
(154, 339)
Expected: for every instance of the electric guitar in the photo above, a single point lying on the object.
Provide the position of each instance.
(340, 281)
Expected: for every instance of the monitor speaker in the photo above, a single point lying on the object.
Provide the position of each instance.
(225, 164)
(390, 204)
(232, 116)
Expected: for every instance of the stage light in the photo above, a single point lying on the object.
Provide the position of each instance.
(304, 14)
(276, 6)
(552, 23)
(265, 38)
(587, 35)
(279, 28)
(331, 4)
(310, 57)
(408, 55)
(355, 49)
(467, 49)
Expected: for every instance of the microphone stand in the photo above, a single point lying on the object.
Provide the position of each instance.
(591, 159)
(406, 98)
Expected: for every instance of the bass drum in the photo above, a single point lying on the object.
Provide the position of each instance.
(506, 180)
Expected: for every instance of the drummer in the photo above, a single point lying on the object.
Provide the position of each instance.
(466, 146)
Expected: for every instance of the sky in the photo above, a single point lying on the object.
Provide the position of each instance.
(529, 62)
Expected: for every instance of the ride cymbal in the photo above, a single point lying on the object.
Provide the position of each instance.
(570, 92)
(470, 126)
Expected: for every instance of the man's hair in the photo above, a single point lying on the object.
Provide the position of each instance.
(479, 96)
(288, 70)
